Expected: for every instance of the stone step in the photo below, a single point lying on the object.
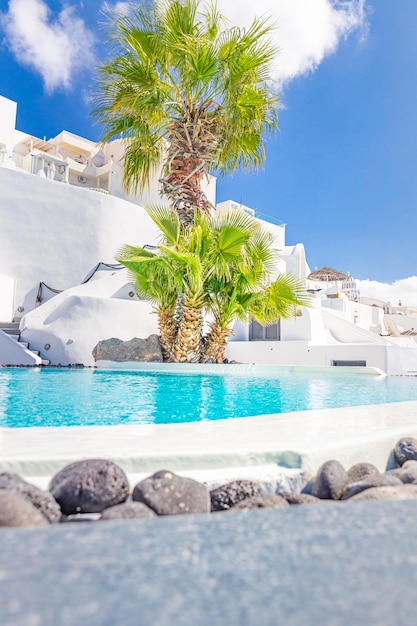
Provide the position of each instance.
(10, 329)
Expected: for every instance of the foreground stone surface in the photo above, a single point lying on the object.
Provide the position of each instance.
(136, 349)
(332, 565)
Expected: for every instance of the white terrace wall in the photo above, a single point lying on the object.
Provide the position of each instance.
(57, 233)
(67, 327)
(7, 289)
(8, 110)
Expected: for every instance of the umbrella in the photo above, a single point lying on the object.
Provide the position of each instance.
(327, 274)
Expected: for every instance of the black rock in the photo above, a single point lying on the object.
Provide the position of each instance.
(299, 498)
(226, 496)
(359, 471)
(127, 510)
(330, 481)
(136, 349)
(169, 494)
(405, 450)
(42, 500)
(382, 480)
(17, 511)
(262, 501)
(89, 486)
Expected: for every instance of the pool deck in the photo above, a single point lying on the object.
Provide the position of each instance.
(269, 448)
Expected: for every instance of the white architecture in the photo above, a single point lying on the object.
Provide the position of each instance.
(64, 215)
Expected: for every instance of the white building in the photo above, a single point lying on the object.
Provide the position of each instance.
(64, 215)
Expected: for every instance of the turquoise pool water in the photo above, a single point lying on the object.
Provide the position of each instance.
(84, 397)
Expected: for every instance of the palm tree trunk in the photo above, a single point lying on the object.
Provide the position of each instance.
(191, 144)
(215, 344)
(168, 332)
(187, 348)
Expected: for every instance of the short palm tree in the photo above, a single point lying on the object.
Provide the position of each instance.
(184, 90)
(220, 266)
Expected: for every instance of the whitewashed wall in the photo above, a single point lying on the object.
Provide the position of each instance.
(392, 360)
(55, 233)
(11, 353)
(73, 322)
(7, 288)
(8, 110)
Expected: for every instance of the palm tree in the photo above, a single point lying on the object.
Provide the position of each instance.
(158, 280)
(222, 266)
(184, 90)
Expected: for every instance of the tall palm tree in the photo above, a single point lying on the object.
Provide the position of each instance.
(187, 91)
(222, 266)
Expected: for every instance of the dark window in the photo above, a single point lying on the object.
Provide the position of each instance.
(258, 332)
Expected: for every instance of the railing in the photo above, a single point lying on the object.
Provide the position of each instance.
(268, 218)
(98, 189)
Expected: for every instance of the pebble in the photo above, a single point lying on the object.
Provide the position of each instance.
(399, 492)
(168, 494)
(42, 500)
(405, 450)
(408, 472)
(331, 481)
(230, 494)
(382, 480)
(127, 510)
(263, 501)
(89, 486)
(359, 471)
(299, 498)
(17, 511)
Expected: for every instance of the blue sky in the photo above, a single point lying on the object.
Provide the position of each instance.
(341, 172)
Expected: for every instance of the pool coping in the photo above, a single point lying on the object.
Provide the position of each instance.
(235, 368)
(265, 447)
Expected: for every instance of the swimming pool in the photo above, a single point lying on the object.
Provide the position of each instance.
(87, 397)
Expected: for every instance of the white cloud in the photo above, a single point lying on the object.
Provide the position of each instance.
(118, 7)
(55, 47)
(307, 30)
(404, 290)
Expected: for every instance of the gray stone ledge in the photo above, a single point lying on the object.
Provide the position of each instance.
(337, 565)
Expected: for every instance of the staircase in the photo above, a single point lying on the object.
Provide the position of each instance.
(12, 329)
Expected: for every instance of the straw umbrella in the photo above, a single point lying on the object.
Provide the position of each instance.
(327, 274)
